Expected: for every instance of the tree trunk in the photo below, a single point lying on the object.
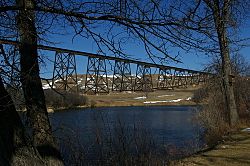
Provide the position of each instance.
(220, 19)
(14, 146)
(31, 84)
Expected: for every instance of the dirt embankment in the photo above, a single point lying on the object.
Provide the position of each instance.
(234, 151)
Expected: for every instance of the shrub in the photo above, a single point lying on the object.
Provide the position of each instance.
(64, 99)
(213, 116)
(242, 97)
(200, 94)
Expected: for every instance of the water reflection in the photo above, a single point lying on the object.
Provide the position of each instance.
(166, 126)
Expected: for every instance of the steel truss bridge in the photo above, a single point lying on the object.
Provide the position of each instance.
(96, 81)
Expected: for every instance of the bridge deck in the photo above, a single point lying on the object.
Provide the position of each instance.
(87, 54)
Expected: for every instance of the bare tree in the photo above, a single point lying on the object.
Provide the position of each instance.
(201, 25)
(209, 26)
(31, 83)
(15, 147)
(222, 16)
(23, 19)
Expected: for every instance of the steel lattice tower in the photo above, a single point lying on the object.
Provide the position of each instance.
(180, 78)
(143, 80)
(96, 76)
(165, 78)
(64, 74)
(122, 79)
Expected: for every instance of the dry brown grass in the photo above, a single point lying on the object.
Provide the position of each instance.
(235, 151)
(230, 148)
(128, 98)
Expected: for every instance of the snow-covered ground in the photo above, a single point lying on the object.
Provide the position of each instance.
(139, 98)
(48, 86)
(166, 95)
(246, 129)
(166, 101)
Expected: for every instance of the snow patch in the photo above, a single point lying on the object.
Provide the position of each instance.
(111, 76)
(142, 97)
(165, 95)
(48, 86)
(176, 100)
(164, 101)
(246, 129)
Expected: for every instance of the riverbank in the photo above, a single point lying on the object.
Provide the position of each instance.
(117, 104)
(233, 151)
(119, 99)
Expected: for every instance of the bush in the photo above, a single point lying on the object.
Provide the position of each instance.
(213, 121)
(200, 94)
(242, 97)
(213, 116)
(64, 99)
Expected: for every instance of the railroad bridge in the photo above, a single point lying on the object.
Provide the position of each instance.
(96, 79)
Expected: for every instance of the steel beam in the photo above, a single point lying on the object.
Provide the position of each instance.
(195, 78)
(122, 79)
(165, 78)
(73, 52)
(189, 78)
(143, 79)
(96, 76)
(64, 74)
(180, 78)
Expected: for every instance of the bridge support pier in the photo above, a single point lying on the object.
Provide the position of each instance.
(122, 79)
(195, 78)
(180, 78)
(165, 78)
(96, 76)
(64, 74)
(189, 78)
(143, 79)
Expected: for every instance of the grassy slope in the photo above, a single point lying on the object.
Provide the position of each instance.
(128, 99)
(235, 151)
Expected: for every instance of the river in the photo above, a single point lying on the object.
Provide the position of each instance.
(97, 132)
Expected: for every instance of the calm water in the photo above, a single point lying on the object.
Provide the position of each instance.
(161, 127)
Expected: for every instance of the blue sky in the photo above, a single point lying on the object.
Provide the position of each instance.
(190, 60)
